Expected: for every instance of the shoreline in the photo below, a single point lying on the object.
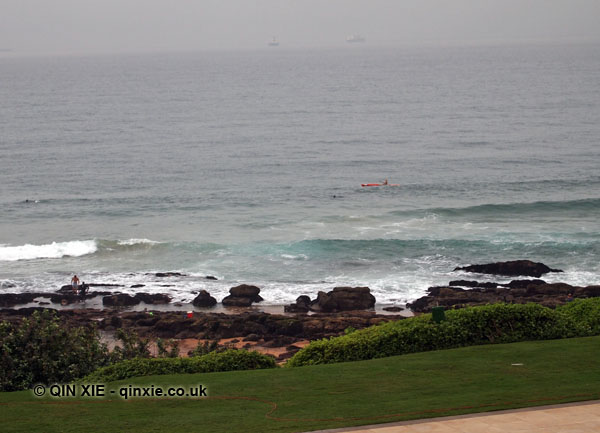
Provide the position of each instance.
(268, 329)
(245, 320)
(96, 304)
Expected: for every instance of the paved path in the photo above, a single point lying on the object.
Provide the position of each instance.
(581, 417)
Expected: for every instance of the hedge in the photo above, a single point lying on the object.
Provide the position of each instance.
(228, 360)
(498, 323)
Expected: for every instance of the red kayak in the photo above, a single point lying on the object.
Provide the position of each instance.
(379, 184)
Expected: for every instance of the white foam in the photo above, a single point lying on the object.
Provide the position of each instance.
(294, 257)
(55, 250)
(137, 241)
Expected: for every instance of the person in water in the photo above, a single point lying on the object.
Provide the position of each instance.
(385, 182)
(75, 283)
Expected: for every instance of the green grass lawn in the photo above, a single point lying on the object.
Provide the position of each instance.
(423, 385)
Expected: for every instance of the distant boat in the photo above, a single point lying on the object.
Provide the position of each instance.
(274, 42)
(384, 183)
(355, 38)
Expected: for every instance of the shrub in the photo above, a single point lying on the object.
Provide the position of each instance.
(498, 323)
(586, 313)
(208, 347)
(215, 361)
(41, 350)
(168, 349)
(132, 346)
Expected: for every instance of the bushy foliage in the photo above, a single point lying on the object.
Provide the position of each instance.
(132, 346)
(41, 350)
(586, 313)
(208, 347)
(498, 323)
(215, 361)
(167, 349)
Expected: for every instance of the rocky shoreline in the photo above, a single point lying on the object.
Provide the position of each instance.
(238, 319)
(257, 330)
(467, 293)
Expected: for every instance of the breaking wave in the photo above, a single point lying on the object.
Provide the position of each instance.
(55, 250)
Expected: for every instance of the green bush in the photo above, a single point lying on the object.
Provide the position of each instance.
(586, 313)
(498, 323)
(215, 361)
(132, 346)
(42, 350)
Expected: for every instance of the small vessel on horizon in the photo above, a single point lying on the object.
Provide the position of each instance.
(273, 42)
(355, 38)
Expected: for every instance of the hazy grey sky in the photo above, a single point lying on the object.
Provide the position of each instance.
(146, 25)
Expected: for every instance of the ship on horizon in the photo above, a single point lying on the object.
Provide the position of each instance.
(273, 42)
(355, 38)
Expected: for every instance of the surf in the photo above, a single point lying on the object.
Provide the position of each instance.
(54, 250)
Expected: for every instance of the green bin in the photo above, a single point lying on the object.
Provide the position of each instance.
(437, 314)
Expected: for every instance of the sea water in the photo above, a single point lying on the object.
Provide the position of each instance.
(247, 166)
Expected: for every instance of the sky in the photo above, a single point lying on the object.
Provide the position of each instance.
(182, 25)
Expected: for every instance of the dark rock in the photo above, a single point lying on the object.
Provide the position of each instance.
(168, 274)
(204, 300)
(279, 342)
(252, 337)
(324, 302)
(519, 291)
(155, 298)
(523, 284)
(11, 299)
(233, 301)
(120, 300)
(69, 288)
(65, 289)
(116, 321)
(339, 299)
(549, 289)
(344, 299)
(511, 268)
(210, 277)
(302, 305)
(66, 299)
(147, 321)
(393, 309)
(242, 296)
(137, 286)
(422, 305)
(587, 292)
(466, 283)
(95, 293)
(285, 356)
(244, 290)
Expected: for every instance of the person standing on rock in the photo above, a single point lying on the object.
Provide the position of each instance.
(83, 288)
(75, 283)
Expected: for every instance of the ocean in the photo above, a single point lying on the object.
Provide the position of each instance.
(247, 166)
